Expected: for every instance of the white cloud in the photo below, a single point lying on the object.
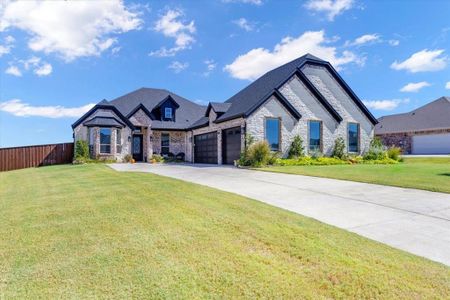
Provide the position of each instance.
(6, 47)
(20, 109)
(260, 60)
(244, 24)
(422, 61)
(39, 67)
(13, 70)
(414, 87)
(385, 104)
(332, 8)
(364, 39)
(254, 2)
(71, 29)
(115, 50)
(210, 66)
(447, 85)
(171, 26)
(43, 70)
(394, 42)
(177, 66)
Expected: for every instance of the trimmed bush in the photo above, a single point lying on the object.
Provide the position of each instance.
(394, 153)
(296, 150)
(339, 148)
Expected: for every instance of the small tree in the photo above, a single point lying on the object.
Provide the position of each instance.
(296, 149)
(339, 148)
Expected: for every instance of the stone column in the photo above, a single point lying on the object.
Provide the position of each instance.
(219, 147)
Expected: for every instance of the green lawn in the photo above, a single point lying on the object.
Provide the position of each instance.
(90, 232)
(431, 174)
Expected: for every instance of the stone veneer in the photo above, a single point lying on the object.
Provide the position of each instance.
(403, 140)
(81, 133)
(311, 109)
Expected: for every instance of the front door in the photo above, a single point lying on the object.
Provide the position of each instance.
(137, 147)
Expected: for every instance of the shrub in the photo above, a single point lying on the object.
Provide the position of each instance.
(316, 153)
(376, 150)
(81, 150)
(243, 158)
(258, 154)
(394, 153)
(296, 149)
(157, 158)
(274, 156)
(339, 148)
(127, 158)
(309, 161)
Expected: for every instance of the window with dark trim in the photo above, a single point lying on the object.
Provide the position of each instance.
(353, 137)
(272, 127)
(118, 140)
(105, 140)
(168, 112)
(165, 143)
(315, 135)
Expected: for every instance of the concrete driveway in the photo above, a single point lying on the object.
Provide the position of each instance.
(412, 220)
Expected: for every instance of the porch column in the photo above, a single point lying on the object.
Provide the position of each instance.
(219, 147)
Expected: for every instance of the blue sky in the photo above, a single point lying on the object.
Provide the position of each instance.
(58, 58)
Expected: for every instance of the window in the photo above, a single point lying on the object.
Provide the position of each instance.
(168, 113)
(165, 142)
(105, 140)
(353, 137)
(315, 135)
(118, 141)
(273, 133)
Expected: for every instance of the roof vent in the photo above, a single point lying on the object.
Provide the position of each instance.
(413, 113)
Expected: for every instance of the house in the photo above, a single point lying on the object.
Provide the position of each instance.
(305, 97)
(425, 130)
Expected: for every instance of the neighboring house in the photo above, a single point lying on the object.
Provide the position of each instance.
(305, 97)
(425, 130)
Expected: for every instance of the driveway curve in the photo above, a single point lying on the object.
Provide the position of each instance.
(412, 220)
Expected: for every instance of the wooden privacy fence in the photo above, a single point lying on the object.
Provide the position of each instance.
(35, 156)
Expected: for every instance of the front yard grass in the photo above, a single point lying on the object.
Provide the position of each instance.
(89, 232)
(431, 174)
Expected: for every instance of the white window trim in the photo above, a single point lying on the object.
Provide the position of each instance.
(166, 109)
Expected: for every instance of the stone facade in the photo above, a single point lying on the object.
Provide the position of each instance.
(311, 109)
(403, 140)
(82, 132)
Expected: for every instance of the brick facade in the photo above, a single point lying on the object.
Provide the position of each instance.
(403, 140)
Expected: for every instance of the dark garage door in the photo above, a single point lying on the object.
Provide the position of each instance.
(231, 145)
(205, 148)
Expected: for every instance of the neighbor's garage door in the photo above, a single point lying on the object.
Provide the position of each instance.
(231, 145)
(431, 144)
(205, 148)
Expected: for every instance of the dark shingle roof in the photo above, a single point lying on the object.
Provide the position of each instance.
(104, 121)
(186, 114)
(220, 107)
(434, 115)
(247, 98)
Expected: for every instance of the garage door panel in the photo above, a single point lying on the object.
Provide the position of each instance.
(431, 144)
(231, 145)
(205, 148)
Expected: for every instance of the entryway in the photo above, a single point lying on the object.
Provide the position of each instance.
(137, 146)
